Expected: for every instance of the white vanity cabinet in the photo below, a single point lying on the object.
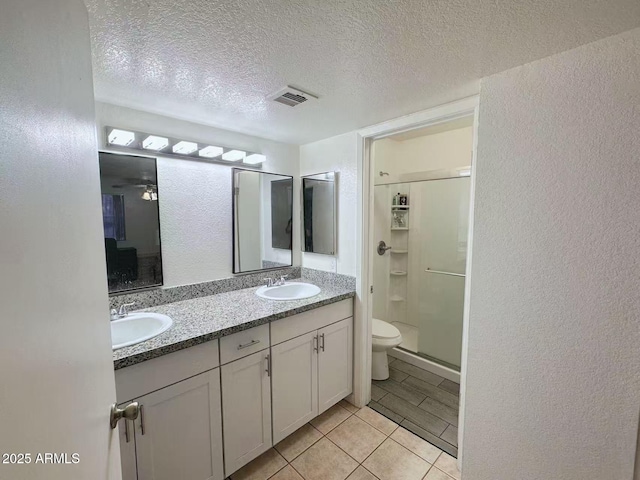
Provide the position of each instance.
(335, 360)
(312, 365)
(295, 384)
(239, 395)
(246, 400)
(178, 432)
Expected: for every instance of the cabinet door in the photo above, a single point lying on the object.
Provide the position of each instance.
(179, 431)
(335, 363)
(126, 432)
(246, 401)
(295, 384)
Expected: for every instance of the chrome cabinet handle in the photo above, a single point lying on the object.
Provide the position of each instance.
(268, 359)
(130, 412)
(315, 343)
(252, 342)
(142, 429)
(322, 345)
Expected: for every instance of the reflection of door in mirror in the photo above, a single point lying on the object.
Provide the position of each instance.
(318, 194)
(262, 220)
(130, 218)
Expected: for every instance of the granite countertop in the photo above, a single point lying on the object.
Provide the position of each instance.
(203, 319)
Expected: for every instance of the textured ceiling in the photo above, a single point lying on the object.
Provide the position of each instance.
(214, 62)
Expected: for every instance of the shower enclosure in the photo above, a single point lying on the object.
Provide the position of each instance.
(419, 281)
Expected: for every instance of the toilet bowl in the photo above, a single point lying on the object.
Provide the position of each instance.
(385, 336)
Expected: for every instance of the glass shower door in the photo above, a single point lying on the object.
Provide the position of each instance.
(438, 243)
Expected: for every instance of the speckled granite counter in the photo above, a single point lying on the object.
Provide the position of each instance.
(203, 319)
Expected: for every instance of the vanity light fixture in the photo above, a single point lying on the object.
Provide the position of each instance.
(150, 194)
(152, 142)
(254, 158)
(185, 148)
(175, 147)
(233, 155)
(121, 137)
(211, 152)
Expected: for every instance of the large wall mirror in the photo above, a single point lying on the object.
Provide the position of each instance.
(130, 216)
(319, 213)
(262, 220)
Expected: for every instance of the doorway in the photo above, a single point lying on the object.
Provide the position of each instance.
(421, 206)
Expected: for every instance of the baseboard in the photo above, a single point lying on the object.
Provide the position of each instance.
(425, 364)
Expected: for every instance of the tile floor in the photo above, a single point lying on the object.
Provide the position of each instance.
(347, 443)
(420, 401)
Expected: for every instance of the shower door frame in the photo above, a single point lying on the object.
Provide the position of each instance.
(364, 250)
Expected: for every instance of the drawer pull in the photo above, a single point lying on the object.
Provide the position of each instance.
(250, 344)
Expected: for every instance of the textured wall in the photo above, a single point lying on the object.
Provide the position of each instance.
(553, 382)
(195, 197)
(336, 154)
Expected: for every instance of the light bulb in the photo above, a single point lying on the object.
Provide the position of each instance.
(185, 148)
(153, 142)
(233, 155)
(121, 137)
(254, 158)
(210, 151)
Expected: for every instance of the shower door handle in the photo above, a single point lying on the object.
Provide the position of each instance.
(382, 247)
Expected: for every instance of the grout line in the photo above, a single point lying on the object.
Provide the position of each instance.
(322, 435)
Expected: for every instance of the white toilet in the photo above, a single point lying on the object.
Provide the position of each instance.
(385, 337)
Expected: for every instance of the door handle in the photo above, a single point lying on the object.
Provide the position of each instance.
(315, 343)
(142, 429)
(322, 344)
(268, 370)
(130, 412)
(250, 344)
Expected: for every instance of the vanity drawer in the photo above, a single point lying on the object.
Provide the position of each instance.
(296, 325)
(241, 344)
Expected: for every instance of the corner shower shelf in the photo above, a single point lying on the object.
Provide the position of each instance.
(399, 228)
(398, 273)
(399, 251)
(396, 298)
(399, 207)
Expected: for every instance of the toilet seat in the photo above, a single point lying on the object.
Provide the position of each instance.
(384, 331)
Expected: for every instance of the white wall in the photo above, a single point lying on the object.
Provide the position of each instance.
(553, 380)
(445, 150)
(195, 197)
(57, 368)
(336, 154)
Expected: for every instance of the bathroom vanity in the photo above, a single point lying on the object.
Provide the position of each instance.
(235, 375)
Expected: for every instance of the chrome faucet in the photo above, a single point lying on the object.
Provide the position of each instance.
(122, 311)
(271, 282)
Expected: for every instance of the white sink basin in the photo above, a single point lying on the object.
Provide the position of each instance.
(289, 291)
(138, 327)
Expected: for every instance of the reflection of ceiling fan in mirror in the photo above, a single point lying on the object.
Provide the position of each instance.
(150, 192)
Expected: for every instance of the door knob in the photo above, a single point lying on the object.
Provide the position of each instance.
(130, 412)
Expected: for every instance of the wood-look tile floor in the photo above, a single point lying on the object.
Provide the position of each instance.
(347, 443)
(421, 402)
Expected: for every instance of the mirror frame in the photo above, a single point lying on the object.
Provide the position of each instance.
(233, 221)
(335, 213)
(147, 287)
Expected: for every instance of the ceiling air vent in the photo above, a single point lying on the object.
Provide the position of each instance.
(291, 96)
